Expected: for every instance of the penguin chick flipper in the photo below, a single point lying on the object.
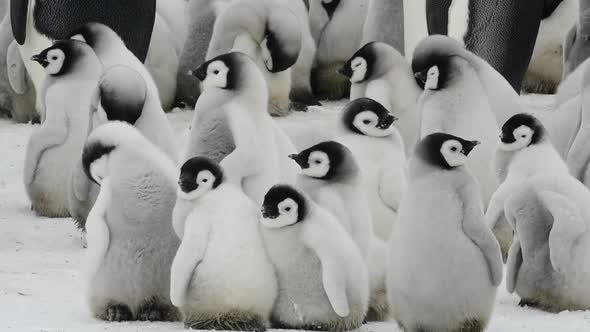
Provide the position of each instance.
(189, 255)
(97, 229)
(333, 281)
(80, 183)
(570, 38)
(495, 209)
(568, 226)
(513, 265)
(50, 134)
(482, 236)
(578, 157)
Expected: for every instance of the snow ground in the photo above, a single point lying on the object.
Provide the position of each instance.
(42, 282)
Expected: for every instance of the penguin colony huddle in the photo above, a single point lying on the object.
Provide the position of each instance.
(407, 212)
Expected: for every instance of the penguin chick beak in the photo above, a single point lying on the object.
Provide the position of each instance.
(266, 214)
(201, 72)
(467, 148)
(421, 77)
(297, 159)
(187, 186)
(387, 121)
(40, 59)
(345, 70)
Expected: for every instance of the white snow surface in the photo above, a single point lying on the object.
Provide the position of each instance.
(42, 283)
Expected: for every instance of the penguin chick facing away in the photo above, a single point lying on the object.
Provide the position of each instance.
(548, 260)
(131, 243)
(379, 72)
(54, 147)
(445, 265)
(222, 278)
(524, 150)
(368, 131)
(322, 277)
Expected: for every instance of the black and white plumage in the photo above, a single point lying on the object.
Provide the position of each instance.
(131, 242)
(222, 278)
(444, 263)
(323, 281)
(54, 148)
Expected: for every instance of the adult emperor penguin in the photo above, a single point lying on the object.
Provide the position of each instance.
(232, 127)
(455, 101)
(524, 150)
(385, 23)
(576, 47)
(431, 249)
(337, 28)
(270, 33)
(73, 71)
(121, 96)
(131, 243)
(503, 34)
(578, 153)
(36, 23)
(204, 282)
(323, 281)
(548, 261)
(367, 130)
(379, 72)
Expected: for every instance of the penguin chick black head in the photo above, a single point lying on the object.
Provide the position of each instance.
(435, 59)
(520, 131)
(198, 176)
(283, 206)
(122, 93)
(360, 66)
(330, 6)
(63, 57)
(367, 117)
(444, 150)
(228, 71)
(327, 161)
(281, 45)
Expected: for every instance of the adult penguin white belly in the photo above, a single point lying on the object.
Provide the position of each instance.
(35, 24)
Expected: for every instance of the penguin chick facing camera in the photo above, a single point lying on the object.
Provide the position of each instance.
(131, 242)
(430, 249)
(524, 150)
(55, 146)
(220, 236)
(322, 277)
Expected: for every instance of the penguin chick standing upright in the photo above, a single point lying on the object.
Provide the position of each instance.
(54, 148)
(121, 96)
(270, 33)
(367, 130)
(445, 265)
(379, 72)
(323, 281)
(232, 127)
(221, 278)
(524, 150)
(131, 243)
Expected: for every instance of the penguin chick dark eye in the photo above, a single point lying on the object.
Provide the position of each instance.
(454, 149)
(205, 180)
(287, 209)
(216, 72)
(367, 121)
(54, 58)
(523, 136)
(317, 162)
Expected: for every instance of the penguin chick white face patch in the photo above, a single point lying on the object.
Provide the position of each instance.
(452, 151)
(367, 122)
(216, 75)
(319, 165)
(288, 215)
(98, 169)
(265, 54)
(56, 58)
(523, 136)
(204, 183)
(432, 78)
(359, 69)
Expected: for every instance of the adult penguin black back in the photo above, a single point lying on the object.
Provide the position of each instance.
(133, 20)
(501, 32)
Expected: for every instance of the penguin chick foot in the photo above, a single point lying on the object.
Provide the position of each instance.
(528, 303)
(118, 313)
(231, 321)
(154, 311)
(305, 97)
(297, 107)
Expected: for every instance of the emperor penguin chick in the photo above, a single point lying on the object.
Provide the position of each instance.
(524, 151)
(121, 95)
(270, 33)
(445, 265)
(368, 131)
(54, 148)
(232, 127)
(323, 281)
(222, 278)
(131, 243)
(378, 71)
(548, 260)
